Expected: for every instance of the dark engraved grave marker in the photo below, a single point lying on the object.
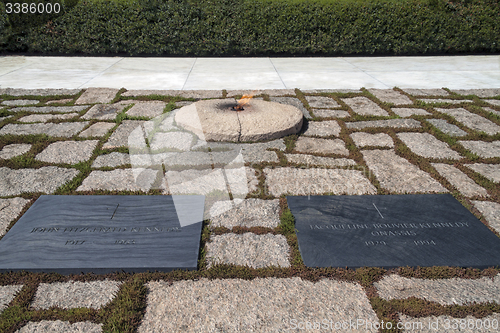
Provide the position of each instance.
(391, 231)
(70, 234)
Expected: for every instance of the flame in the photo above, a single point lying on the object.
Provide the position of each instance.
(245, 99)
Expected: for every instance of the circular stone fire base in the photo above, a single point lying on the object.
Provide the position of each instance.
(214, 120)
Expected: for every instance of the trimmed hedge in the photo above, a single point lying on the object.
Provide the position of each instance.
(243, 27)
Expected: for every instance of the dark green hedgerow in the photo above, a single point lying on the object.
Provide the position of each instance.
(244, 27)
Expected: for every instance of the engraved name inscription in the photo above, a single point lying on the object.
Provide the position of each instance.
(104, 230)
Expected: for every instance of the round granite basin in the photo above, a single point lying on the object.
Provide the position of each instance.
(214, 120)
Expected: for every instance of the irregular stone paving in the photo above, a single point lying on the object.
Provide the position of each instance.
(490, 211)
(443, 291)
(321, 146)
(60, 101)
(362, 139)
(57, 130)
(9, 210)
(183, 103)
(394, 123)
(472, 120)
(46, 180)
(364, 106)
(97, 130)
(319, 91)
(43, 118)
(460, 180)
(248, 213)
(75, 294)
(69, 152)
(50, 109)
(447, 128)
(104, 111)
(147, 109)
(197, 94)
(484, 93)
(258, 156)
(490, 171)
(317, 181)
(325, 113)
(7, 294)
(97, 95)
(390, 96)
(292, 101)
(319, 160)
(48, 326)
(322, 128)
(20, 102)
(172, 140)
(408, 112)
(493, 101)
(445, 100)
(398, 175)
(447, 324)
(120, 136)
(13, 150)
(111, 160)
(321, 102)
(426, 145)
(426, 92)
(270, 92)
(248, 249)
(119, 180)
(492, 111)
(483, 149)
(37, 92)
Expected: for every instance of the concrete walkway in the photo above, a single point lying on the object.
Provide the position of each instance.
(454, 72)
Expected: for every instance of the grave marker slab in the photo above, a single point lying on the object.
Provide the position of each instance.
(391, 231)
(70, 234)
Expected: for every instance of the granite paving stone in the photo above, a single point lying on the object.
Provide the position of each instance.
(292, 101)
(296, 181)
(364, 106)
(99, 129)
(326, 113)
(60, 101)
(448, 324)
(274, 144)
(490, 211)
(50, 109)
(183, 103)
(398, 175)
(70, 152)
(490, 171)
(269, 92)
(202, 182)
(254, 305)
(259, 156)
(46, 180)
(136, 179)
(483, 93)
(472, 120)
(391, 96)
(447, 128)
(445, 100)
(20, 102)
(493, 101)
(483, 149)
(9, 210)
(329, 91)
(57, 130)
(362, 139)
(120, 136)
(172, 140)
(104, 111)
(97, 95)
(75, 294)
(495, 112)
(394, 123)
(322, 128)
(460, 180)
(238, 186)
(322, 102)
(249, 213)
(454, 291)
(408, 112)
(321, 146)
(426, 92)
(319, 160)
(37, 92)
(3, 118)
(7, 294)
(197, 94)
(111, 160)
(147, 109)
(426, 145)
(56, 326)
(13, 150)
(248, 249)
(43, 118)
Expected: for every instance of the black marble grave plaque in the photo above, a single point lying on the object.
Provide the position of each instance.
(391, 231)
(70, 234)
